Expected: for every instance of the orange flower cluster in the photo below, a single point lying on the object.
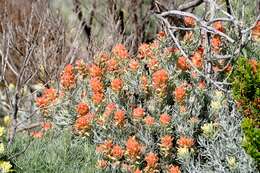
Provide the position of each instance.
(197, 59)
(180, 93)
(117, 84)
(111, 65)
(174, 169)
(166, 142)
(119, 117)
(82, 109)
(149, 120)
(145, 51)
(133, 148)
(218, 26)
(256, 31)
(95, 71)
(83, 123)
(134, 65)
(120, 51)
(185, 142)
(151, 160)
(68, 80)
(97, 89)
(165, 119)
(81, 67)
(160, 79)
(182, 63)
(138, 113)
(253, 64)
(216, 43)
(109, 109)
(189, 21)
(117, 152)
(48, 97)
(144, 83)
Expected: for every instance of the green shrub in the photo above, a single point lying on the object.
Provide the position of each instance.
(55, 152)
(246, 90)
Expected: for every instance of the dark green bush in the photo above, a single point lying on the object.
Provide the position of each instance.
(246, 91)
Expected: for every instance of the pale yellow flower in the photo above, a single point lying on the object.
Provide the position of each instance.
(5, 166)
(2, 148)
(2, 129)
(183, 152)
(208, 129)
(7, 120)
(232, 163)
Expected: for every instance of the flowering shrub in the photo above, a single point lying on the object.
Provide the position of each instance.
(149, 113)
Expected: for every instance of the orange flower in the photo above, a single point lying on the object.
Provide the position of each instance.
(68, 80)
(120, 51)
(160, 79)
(218, 26)
(119, 117)
(95, 71)
(216, 43)
(185, 142)
(153, 63)
(49, 95)
(182, 63)
(253, 64)
(134, 65)
(149, 121)
(202, 84)
(197, 60)
(165, 119)
(256, 31)
(166, 141)
(144, 83)
(117, 152)
(97, 97)
(138, 113)
(83, 122)
(174, 169)
(161, 35)
(102, 164)
(81, 67)
(151, 160)
(144, 51)
(180, 93)
(133, 148)
(112, 64)
(46, 125)
(102, 57)
(109, 109)
(138, 171)
(105, 147)
(96, 85)
(82, 109)
(117, 84)
(37, 134)
(189, 21)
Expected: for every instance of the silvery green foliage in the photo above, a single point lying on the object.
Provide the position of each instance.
(222, 151)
